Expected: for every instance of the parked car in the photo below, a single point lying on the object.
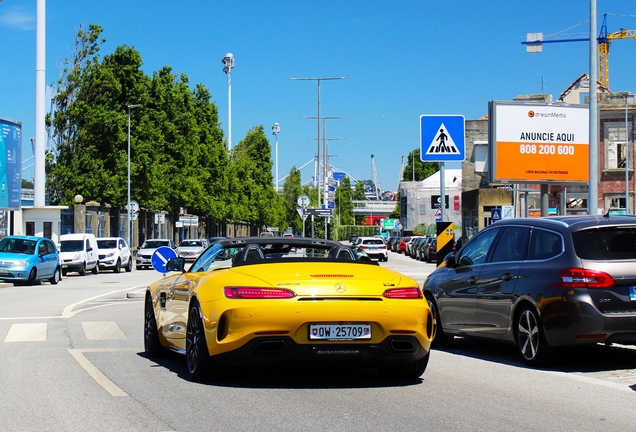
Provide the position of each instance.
(114, 254)
(430, 250)
(395, 243)
(540, 283)
(190, 249)
(374, 248)
(26, 259)
(78, 253)
(414, 246)
(144, 254)
(409, 244)
(401, 247)
(333, 304)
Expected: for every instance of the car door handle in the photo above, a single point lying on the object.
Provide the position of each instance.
(506, 276)
(472, 280)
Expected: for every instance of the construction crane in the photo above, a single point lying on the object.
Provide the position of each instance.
(534, 44)
(376, 180)
(400, 176)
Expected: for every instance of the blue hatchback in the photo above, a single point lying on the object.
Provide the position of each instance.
(26, 259)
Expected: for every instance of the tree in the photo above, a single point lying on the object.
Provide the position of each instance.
(254, 195)
(359, 195)
(344, 203)
(292, 189)
(416, 170)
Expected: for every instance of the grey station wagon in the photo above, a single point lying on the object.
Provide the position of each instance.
(540, 284)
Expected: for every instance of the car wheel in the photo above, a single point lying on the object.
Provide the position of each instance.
(197, 356)
(117, 268)
(82, 271)
(152, 345)
(64, 272)
(410, 370)
(530, 338)
(96, 269)
(56, 277)
(32, 275)
(129, 266)
(440, 339)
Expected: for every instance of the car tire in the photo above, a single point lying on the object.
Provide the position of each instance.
(96, 269)
(197, 356)
(117, 268)
(440, 339)
(64, 272)
(152, 344)
(56, 277)
(530, 337)
(129, 266)
(412, 370)
(32, 275)
(82, 271)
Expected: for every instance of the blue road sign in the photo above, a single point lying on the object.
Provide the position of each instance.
(442, 138)
(495, 214)
(161, 257)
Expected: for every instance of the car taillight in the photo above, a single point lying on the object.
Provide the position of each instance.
(403, 293)
(257, 293)
(583, 278)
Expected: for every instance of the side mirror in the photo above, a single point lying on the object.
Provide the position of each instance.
(449, 260)
(176, 264)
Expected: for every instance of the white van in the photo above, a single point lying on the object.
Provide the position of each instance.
(78, 253)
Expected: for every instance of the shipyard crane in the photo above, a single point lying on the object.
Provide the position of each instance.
(376, 180)
(534, 44)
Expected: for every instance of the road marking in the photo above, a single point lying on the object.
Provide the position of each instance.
(100, 378)
(106, 330)
(35, 332)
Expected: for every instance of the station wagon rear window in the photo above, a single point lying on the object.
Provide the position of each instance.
(607, 243)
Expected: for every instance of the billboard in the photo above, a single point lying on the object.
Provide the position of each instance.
(10, 164)
(538, 143)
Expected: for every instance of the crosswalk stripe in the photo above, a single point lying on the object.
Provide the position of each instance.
(105, 330)
(33, 332)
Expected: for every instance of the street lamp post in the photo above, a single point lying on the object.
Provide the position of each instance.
(275, 132)
(128, 202)
(228, 61)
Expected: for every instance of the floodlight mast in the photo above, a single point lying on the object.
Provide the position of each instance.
(275, 132)
(228, 61)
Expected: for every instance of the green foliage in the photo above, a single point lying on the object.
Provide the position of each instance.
(344, 204)
(292, 189)
(416, 170)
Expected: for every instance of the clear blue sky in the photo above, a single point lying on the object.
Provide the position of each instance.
(405, 59)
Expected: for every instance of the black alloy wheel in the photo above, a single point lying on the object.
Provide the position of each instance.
(530, 338)
(152, 344)
(82, 271)
(117, 268)
(96, 269)
(197, 356)
(440, 339)
(129, 265)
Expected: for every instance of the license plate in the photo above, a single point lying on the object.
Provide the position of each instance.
(339, 331)
(4, 271)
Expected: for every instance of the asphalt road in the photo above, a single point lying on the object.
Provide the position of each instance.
(72, 359)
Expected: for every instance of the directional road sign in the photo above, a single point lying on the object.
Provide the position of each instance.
(161, 257)
(318, 212)
(442, 138)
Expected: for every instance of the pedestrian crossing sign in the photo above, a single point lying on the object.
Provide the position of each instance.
(442, 138)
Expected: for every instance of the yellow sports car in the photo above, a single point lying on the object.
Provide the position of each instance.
(287, 300)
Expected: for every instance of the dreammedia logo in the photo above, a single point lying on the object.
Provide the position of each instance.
(533, 114)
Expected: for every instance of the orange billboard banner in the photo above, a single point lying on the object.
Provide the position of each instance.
(530, 161)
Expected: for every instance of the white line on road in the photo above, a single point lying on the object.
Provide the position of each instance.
(35, 332)
(100, 378)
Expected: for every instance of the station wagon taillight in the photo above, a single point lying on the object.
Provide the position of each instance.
(403, 293)
(583, 278)
(257, 293)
